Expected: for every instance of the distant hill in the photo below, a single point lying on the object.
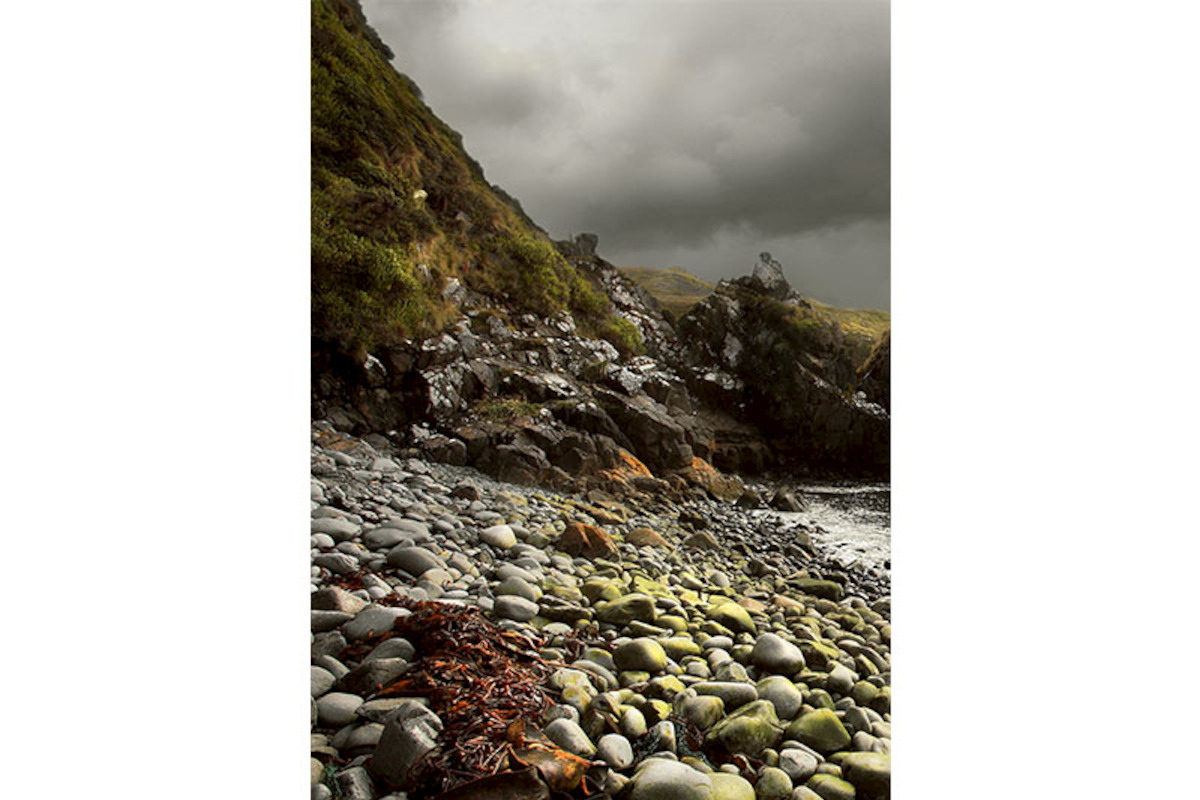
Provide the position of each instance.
(676, 289)
(679, 290)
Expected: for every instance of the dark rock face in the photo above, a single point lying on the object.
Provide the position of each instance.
(657, 439)
(742, 353)
(875, 376)
(528, 400)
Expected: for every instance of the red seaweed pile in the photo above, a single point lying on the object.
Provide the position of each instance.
(487, 685)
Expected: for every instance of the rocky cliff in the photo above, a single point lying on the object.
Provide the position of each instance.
(447, 323)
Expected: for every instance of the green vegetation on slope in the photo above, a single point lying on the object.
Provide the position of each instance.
(399, 208)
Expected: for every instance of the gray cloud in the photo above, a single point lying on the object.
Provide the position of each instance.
(693, 134)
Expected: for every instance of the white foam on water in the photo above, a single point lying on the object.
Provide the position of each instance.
(853, 521)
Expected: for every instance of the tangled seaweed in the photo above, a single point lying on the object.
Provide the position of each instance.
(487, 685)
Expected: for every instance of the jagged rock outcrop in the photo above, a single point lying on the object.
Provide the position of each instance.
(745, 350)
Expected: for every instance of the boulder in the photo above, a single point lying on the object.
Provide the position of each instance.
(869, 773)
(642, 654)
(662, 779)
(821, 730)
(409, 735)
(773, 653)
(749, 730)
(588, 541)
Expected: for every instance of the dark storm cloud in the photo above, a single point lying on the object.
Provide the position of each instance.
(690, 132)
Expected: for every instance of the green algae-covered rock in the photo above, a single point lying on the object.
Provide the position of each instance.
(882, 702)
(733, 617)
(819, 655)
(640, 654)
(730, 787)
(602, 589)
(821, 730)
(819, 698)
(703, 712)
(826, 590)
(666, 687)
(864, 692)
(749, 730)
(628, 608)
(870, 773)
(678, 647)
(830, 787)
(773, 784)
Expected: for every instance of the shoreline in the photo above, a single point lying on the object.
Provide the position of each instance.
(702, 618)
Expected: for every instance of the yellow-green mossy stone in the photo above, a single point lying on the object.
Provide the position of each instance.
(820, 730)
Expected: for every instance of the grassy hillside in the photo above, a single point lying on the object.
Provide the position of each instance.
(399, 208)
(676, 289)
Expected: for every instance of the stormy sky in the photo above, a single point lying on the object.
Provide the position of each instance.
(686, 133)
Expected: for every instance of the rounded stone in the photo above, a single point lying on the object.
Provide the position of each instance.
(499, 536)
(414, 560)
(734, 617)
(869, 773)
(782, 694)
(337, 708)
(642, 654)
(831, 787)
(569, 736)
(773, 784)
(515, 607)
(841, 679)
(773, 653)
(727, 786)
(703, 711)
(749, 730)
(518, 587)
(615, 750)
(800, 765)
(664, 779)
(820, 730)
(633, 723)
(321, 680)
(733, 694)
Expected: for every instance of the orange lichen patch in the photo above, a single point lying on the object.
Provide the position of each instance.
(705, 475)
(629, 467)
(333, 440)
(605, 514)
(586, 540)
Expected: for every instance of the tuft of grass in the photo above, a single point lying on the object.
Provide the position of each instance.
(624, 336)
(507, 409)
